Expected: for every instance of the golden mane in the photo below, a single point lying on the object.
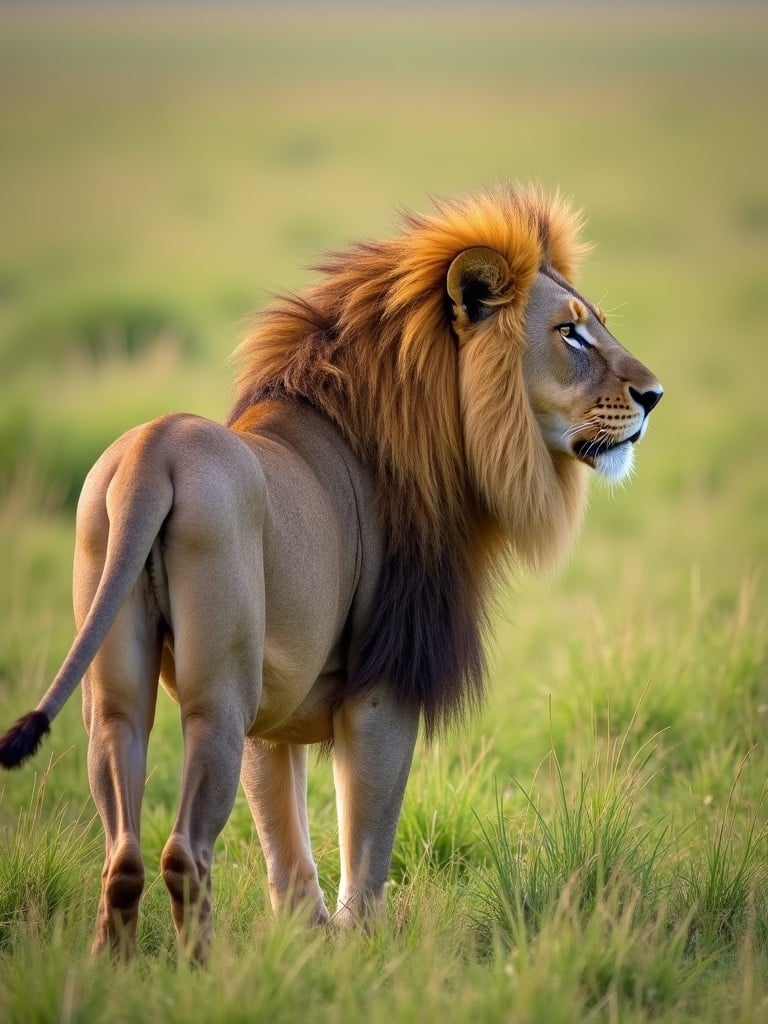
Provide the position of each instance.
(373, 346)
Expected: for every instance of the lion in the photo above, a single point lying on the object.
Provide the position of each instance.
(318, 570)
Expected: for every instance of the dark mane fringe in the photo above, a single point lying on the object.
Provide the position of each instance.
(427, 625)
(427, 631)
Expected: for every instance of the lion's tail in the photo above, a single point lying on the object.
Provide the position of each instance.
(133, 529)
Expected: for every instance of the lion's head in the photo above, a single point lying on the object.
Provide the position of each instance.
(462, 366)
(572, 391)
(589, 396)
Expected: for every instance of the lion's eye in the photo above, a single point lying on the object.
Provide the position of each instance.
(572, 336)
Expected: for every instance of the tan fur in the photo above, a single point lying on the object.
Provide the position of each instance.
(318, 571)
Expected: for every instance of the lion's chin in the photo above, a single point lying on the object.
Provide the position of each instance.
(611, 460)
(614, 464)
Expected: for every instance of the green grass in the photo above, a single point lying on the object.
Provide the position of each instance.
(593, 846)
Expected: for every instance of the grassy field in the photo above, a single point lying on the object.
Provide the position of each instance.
(593, 847)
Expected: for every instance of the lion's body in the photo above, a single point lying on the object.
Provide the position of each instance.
(276, 508)
(318, 570)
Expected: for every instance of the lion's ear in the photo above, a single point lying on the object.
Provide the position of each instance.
(474, 277)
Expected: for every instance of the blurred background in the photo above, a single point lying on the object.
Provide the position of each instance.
(163, 169)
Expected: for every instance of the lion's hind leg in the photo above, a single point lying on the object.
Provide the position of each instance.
(214, 566)
(213, 746)
(217, 647)
(119, 696)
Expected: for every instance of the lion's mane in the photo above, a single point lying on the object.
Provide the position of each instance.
(460, 484)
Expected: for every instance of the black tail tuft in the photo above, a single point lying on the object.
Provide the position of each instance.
(23, 738)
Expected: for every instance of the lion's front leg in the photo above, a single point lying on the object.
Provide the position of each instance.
(274, 778)
(373, 749)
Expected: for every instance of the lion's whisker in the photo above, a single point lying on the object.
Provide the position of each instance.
(591, 422)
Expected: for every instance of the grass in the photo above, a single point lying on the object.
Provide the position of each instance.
(592, 847)
(590, 844)
(40, 879)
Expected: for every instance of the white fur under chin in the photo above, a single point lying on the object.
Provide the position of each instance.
(615, 465)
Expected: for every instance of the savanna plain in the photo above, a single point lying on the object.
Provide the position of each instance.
(593, 845)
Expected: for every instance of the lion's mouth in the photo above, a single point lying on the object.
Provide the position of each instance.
(588, 451)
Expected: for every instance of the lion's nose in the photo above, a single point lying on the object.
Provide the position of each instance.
(647, 399)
